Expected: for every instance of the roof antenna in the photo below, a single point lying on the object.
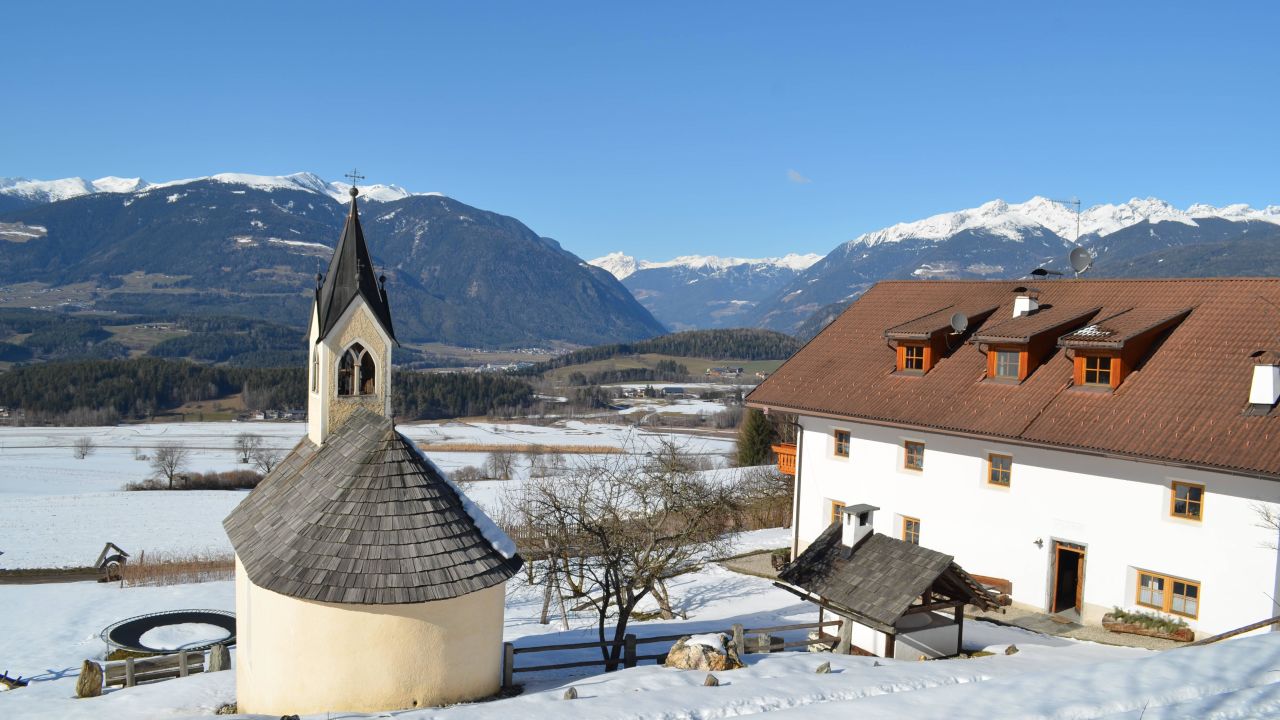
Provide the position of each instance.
(1076, 202)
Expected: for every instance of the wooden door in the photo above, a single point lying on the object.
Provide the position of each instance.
(1067, 592)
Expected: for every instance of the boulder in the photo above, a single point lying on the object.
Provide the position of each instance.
(219, 658)
(571, 693)
(1011, 650)
(703, 652)
(89, 684)
(711, 681)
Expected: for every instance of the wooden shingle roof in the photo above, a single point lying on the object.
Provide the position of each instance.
(363, 519)
(880, 577)
(1184, 403)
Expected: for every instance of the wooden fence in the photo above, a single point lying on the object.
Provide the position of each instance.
(630, 648)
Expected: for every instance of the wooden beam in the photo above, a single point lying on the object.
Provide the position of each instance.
(942, 605)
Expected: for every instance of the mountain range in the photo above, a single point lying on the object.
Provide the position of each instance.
(702, 291)
(248, 245)
(251, 246)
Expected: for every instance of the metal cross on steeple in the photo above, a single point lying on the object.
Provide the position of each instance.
(354, 176)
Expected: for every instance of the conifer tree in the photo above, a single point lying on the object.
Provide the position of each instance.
(754, 439)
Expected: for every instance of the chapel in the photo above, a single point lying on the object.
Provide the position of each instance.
(365, 580)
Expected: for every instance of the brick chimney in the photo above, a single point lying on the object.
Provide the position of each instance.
(856, 523)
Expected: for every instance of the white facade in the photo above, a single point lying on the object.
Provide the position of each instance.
(1117, 511)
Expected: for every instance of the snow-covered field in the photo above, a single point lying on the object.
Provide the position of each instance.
(1048, 678)
(57, 511)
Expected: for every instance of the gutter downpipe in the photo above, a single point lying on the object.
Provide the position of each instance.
(795, 500)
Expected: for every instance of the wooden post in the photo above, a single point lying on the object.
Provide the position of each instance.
(508, 664)
(629, 650)
(738, 645)
(890, 644)
(182, 663)
(128, 672)
(845, 646)
(959, 629)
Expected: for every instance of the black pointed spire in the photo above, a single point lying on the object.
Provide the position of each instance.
(351, 274)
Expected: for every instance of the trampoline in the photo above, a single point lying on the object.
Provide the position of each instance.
(192, 630)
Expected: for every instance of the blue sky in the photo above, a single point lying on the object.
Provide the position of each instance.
(733, 128)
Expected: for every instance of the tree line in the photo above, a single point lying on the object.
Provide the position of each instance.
(731, 344)
(100, 391)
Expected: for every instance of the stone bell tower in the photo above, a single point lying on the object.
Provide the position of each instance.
(351, 337)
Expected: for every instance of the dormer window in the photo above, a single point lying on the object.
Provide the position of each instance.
(356, 372)
(1107, 350)
(912, 358)
(1095, 370)
(1007, 364)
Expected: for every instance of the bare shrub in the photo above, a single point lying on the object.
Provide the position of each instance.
(83, 447)
(229, 480)
(466, 476)
(173, 568)
(764, 499)
(729, 418)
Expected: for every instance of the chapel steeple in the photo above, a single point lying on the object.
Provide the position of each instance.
(351, 336)
(350, 275)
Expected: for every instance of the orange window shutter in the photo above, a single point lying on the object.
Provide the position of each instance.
(1024, 368)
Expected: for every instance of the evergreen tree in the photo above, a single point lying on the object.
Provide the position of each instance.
(754, 439)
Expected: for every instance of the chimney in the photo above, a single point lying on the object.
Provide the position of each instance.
(1265, 390)
(1027, 301)
(856, 524)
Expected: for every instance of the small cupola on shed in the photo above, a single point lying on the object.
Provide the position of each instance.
(1264, 392)
(856, 522)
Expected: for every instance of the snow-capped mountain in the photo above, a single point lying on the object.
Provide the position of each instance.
(1011, 220)
(1007, 240)
(704, 291)
(621, 265)
(32, 192)
(251, 245)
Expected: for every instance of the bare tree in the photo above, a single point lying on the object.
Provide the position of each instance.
(83, 447)
(169, 460)
(464, 477)
(265, 458)
(614, 532)
(1268, 519)
(246, 445)
(499, 465)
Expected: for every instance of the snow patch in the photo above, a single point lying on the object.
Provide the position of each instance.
(182, 636)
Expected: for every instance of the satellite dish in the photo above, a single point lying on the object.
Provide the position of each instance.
(1080, 260)
(1041, 272)
(959, 322)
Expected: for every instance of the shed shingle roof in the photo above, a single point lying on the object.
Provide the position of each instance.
(362, 519)
(1183, 403)
(879, 579)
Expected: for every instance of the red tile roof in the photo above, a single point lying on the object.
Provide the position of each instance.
(1184, 403)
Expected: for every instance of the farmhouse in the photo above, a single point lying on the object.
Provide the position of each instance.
(365, 580)
(1084, 445)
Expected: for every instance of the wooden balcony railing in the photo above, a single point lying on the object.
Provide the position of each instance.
(786, 453)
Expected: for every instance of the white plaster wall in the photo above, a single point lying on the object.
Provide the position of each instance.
(302, 657)
(1118, 509)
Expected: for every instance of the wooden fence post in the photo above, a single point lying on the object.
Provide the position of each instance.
(738, 644)
(128, 672)
(629, 650)
(182, 663)
(508, 665)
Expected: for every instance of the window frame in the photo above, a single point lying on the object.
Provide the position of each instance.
(1167, 594)
(913, 358)
(1173, 501)
(907, 453)
(837, 508)
(1007, 472)
(908, 535)
(995, 364)
(835, 442)
(1098, 372)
